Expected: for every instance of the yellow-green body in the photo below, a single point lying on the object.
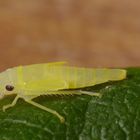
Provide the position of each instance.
(51, 78)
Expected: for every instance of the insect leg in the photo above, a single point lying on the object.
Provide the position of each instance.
(90, 93)
(46, 109)
(10, 105)
(74, 92)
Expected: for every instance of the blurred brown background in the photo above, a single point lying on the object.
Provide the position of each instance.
(102, 33)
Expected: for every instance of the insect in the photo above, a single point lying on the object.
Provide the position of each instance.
(31, 81)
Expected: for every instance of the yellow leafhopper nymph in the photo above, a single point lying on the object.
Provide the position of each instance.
(29, 82)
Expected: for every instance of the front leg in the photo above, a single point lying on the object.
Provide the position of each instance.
(10, 105)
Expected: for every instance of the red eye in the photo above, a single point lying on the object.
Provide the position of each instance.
(9, 87)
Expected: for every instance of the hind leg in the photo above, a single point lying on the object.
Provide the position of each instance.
(90, 93)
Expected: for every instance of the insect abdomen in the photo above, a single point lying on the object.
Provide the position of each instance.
(79, 77)
(82, 77)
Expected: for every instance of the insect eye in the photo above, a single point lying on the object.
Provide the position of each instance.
(9, 87)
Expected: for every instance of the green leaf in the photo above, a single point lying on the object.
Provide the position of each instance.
(115, 116)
